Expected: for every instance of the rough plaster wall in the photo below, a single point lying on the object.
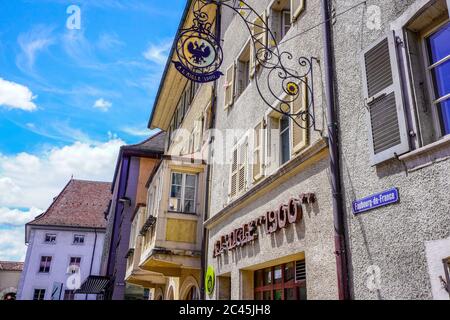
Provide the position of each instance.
(392, 238)
(313, 235)
(250, 109)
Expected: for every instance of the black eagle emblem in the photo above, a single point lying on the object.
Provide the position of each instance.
(199, 53)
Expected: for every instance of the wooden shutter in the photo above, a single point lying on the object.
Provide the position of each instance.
(233, 173)
(258, 156)
(259, 32)
(272, 144)
(384, 100)
(229, 86)
(296, 8)
(197, 135)
(274, 22)
(300, 136)
(242, 165)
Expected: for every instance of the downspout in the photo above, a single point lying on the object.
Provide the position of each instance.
(335, 167)
(92, 258)
(205, 237)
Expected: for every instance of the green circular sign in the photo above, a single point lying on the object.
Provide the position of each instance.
(209, 280)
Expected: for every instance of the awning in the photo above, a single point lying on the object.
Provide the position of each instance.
(94, 285)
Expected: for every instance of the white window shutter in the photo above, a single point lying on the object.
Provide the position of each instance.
(233, 174)
(274, 22)
(258, 149)
(229, 86)
(384, 100)
(272, 142)
(297, 7)
(243, 165)
(259, 32)
(299, 135)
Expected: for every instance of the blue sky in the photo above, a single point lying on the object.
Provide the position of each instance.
(70, 98)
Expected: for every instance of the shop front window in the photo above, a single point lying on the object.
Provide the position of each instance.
(282, 282)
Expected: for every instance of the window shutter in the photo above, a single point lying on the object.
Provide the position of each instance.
(272, 148)
(274, 22)
(300, 136)
(383, 97)
(296, 8)
(259, 32)
(242, 175)
(300, 271)
(258, 164)
(234, 173)
(229, 86)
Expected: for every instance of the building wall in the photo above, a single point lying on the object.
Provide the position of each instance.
(391, 247)
(9, 282)
(60, 253)
(312, 238)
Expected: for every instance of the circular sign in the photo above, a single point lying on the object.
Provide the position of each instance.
(209, 280)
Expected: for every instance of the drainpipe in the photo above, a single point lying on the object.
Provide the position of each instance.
(335, 167)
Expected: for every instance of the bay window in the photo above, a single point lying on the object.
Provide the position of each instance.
(183, 193)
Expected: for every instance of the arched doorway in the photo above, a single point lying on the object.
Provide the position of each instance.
(190, 289)
(170, 294)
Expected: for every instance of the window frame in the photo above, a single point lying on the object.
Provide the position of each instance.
(247, 48)
(183, 192)
(46, 261)
(50, 242)
(82, 236)
(428, 73)
(283, 285)
(40, 291)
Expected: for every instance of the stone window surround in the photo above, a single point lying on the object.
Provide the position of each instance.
(439, 150)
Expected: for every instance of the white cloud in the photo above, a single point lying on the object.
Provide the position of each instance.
(138, 132)
(102, 104)
(31, 43)
(15, 217)
(28, 181)
(12, 244)
(108, 41)
(32, 181)
(158, 53)
(16, 96)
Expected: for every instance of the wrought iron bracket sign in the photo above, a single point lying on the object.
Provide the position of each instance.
(285, 80)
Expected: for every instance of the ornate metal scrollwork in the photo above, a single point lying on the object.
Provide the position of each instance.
(287, 79)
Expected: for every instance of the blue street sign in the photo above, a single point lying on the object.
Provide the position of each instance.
(375, 201)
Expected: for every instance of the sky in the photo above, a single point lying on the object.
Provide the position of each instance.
(77, 80)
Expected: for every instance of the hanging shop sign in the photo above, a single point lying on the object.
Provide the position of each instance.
(377, 200)
(198, 51)
(210, 280)
(273, 221)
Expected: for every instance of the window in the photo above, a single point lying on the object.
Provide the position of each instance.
(74, 264)
(260, 37)
(238, 169)
(282, 14)
(285, 142)
(282, 282)
(183, 193)
(406, 80)
(438, 46)
(44, 266)
(50, 238)
(78, 239)
(69, 295)
(39, 294)
(243, 70)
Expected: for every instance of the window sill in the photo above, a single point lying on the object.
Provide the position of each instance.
(427, 155)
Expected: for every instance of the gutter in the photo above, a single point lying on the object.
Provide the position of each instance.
(335, 166)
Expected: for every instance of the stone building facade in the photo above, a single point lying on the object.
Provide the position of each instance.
(393, 102)
(266, 167)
